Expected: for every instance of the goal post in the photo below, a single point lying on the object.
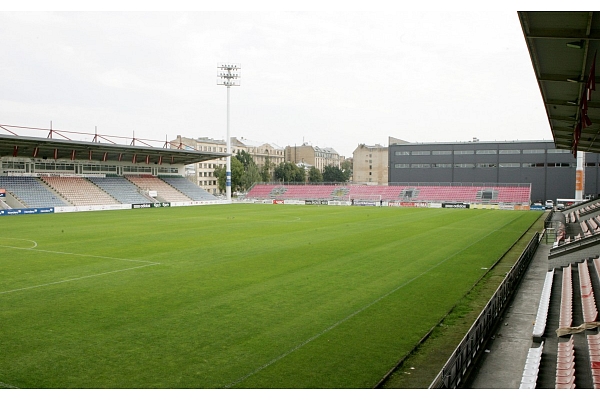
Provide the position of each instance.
(366, 200)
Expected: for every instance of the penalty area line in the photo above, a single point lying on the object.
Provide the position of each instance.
(78, 278)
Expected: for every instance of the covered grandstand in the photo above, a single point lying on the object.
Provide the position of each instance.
(561, 348)
(59, 174)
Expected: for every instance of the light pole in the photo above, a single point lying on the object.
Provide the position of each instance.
(228, 75)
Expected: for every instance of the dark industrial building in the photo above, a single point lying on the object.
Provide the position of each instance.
(550, 171)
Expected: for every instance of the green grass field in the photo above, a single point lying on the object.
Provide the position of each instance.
(233, 296)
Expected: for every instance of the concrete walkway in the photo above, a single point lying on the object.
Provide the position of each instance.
(501, 366)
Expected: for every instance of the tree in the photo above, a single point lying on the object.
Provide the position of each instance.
(314, 175)
(237, 171)
(265, 171)
(245, 158)
(333, 173)
(289, 172)
(347, 169)
(250, 177)
(221, 174)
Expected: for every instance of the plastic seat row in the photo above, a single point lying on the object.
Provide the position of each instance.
(565, 365)
(542, 313)
(532, 367)
(566, 299)
(588, 302)
(594, 350)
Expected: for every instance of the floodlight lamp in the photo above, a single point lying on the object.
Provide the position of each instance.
(576, 45)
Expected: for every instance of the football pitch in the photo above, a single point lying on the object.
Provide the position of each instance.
(234, 296)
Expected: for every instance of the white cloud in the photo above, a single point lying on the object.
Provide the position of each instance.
(336, 79)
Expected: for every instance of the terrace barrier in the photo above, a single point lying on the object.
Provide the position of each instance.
(460, 364)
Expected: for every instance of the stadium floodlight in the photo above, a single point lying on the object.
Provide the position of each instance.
(228, 74)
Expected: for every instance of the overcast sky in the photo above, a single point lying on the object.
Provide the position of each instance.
(331, 78)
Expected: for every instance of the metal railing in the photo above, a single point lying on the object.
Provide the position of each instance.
(461, 362)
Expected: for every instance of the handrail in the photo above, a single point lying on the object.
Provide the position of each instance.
(460, 363)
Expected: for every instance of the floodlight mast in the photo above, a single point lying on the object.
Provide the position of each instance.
(228, 75)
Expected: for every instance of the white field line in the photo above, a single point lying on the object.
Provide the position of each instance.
(7, 386)
(307, 341)
(22, 240)
(147, 264)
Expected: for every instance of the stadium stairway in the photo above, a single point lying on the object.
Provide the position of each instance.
(502, 364)
(571, 354)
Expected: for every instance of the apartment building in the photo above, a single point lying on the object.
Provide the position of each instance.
(313, 155)
(370, 164)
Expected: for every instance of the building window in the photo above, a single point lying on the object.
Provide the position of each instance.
(441, 165)
(486, 152)
(402, 153)
(467, 165)
(464, 152)
(534, 151)
(420, 165)
(421, 153)
(401, 166)
(510, 151)
(557, 151)
(510, 165)
(559, 165)
(486, 165)
(441, 152)
(533, 165)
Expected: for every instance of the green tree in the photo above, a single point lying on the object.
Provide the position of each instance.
(333, 173)
(237, 172)
(265, 171)
(347, 169)
(314, 175)
(289, 172)
(221, 174)
(245, 158)
(250, 177)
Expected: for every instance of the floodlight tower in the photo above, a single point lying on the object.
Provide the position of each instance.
(228, 75)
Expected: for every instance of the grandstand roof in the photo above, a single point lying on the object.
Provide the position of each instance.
(563, 47)
(49, 148)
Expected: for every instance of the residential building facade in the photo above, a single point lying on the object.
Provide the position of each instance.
(203, 173)
(314, 155)
(261, 153)
(370, 165)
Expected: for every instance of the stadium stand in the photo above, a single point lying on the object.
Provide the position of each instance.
(588, 303)
(31, 192)
(417, 193)
(165, 192)
(565, 365)
(186, 187)
(121, 189)
(539, 326)
(532, 367)
(566, 300)
(594, 352)
(79, 191)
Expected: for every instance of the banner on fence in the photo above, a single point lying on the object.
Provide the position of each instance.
(456, 205)
(24, 211)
